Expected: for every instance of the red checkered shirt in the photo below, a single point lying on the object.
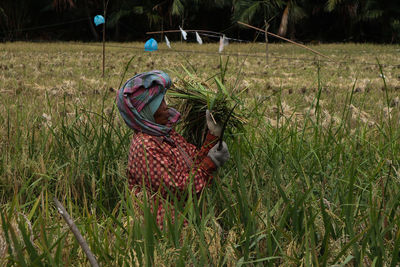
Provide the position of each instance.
(163, 166)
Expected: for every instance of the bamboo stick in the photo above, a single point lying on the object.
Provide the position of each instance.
(185, 31)
(285, 39)
(76, 233)
(266, 42)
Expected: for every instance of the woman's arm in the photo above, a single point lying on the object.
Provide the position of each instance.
(196, 154)
(201, 153)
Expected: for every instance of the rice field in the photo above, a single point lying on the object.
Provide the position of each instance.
(313, 179)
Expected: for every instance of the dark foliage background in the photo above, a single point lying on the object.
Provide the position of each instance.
(129, 20)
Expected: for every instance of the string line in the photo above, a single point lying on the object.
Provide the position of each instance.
(233, 54)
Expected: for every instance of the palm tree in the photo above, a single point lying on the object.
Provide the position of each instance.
(347, 13)
(180, 8)
(15, 15)
(384, 12)
(292, 13)
(255, 11)
(63, 4)
(260, 11)
(382, 15)
(84, 6)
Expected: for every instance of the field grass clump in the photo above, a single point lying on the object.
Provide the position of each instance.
(313, 177)
(192, 97)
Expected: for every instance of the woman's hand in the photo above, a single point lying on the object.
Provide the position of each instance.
(214, 128)
(219, 156)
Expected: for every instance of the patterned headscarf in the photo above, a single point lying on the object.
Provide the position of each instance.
(141, 94)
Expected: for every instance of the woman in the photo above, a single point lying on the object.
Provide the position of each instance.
(160, 159)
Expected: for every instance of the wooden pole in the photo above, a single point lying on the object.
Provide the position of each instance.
(285, 39)
(105, 4)
(162, 30)
(104, 47)
(182, 28)
(266, 42)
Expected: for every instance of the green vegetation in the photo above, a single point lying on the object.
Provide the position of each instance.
(129, 20)
(192, 97)
(313, 178)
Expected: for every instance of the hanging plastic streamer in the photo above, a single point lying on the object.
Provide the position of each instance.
(151, 45)
(198, 38)
(222, 43)
(99, 19)
(167, 42)
(184, 34)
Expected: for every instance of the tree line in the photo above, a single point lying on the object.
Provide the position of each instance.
(129, 20)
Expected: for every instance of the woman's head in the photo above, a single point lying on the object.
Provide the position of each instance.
(162, 114)
(156, 111)
(142, 105)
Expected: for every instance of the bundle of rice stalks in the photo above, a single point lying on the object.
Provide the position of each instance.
(192, 97)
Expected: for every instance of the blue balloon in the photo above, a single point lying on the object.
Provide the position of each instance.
(151, 45)
(99, 19)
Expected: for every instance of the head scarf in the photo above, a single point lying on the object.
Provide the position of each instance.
(140, 97)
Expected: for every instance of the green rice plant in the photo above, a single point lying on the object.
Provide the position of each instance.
(192, 97)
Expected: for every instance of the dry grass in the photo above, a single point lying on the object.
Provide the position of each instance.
(73, 70)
